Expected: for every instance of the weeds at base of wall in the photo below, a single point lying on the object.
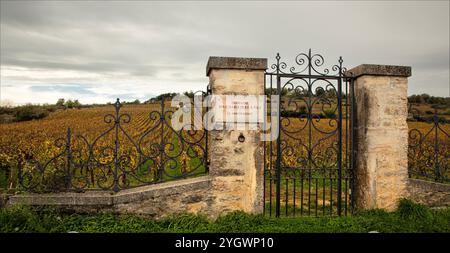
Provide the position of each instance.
(409, 217)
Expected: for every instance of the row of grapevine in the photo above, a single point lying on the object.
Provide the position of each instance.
(98, 148)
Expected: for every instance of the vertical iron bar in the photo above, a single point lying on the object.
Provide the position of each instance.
(286, 195)
(206, 135)
(116, 147)
(347, 148)
(161, 147)
(436, 146)
(264, 179)
(264, 152)
(353, 125)
(310, 113)
(271, 149)
(331, 192)
(68, 177)
(346, 126)
(309, 193)
(346, 195)
(278, 163)
(323, 195)
(317, 194)
(301, 195)
(339, 155)
(294, 196)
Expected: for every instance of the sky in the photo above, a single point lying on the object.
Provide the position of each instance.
(97, 51)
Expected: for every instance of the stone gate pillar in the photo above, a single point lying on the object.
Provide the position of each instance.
(381, 172)
(236, 166)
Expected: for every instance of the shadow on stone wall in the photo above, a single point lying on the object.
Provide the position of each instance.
(429, 193)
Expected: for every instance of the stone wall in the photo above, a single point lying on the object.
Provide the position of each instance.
(429, 193)
(158, 200)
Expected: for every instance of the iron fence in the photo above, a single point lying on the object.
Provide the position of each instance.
(428, 144)
(119, 157)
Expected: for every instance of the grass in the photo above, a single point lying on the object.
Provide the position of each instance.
(297, 198)
(409, 217)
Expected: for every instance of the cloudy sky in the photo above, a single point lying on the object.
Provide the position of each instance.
(97, 51)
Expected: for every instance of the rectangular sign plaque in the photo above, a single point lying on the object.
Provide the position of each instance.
(238, 109)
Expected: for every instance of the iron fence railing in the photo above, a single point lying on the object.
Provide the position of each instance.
(119, 157)
(428, 144)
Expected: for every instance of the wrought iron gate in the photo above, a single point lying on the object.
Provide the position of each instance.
(308, 168)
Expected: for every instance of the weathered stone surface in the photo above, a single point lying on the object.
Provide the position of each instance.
(215, 62)
(379, 70)
(382, 139)
(229, 172)
(95, 198)
(236, 82)
(158, 200)
(193, 198)
(429, 193)
(237, 167)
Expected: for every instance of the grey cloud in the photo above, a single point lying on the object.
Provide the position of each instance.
(169, 42)
(72, 88)
(128, 97)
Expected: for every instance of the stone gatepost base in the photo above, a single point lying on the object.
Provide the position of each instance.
(236, 167)
(381, 173)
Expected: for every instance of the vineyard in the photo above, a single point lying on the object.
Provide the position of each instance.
(429, 150)
(310, 180)
(150, 151)
(310, 186)
(101, 148)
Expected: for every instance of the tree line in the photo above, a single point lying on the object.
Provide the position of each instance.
(31, 111)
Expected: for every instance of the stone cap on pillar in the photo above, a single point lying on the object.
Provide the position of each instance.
(379, 70)
(216, 62)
